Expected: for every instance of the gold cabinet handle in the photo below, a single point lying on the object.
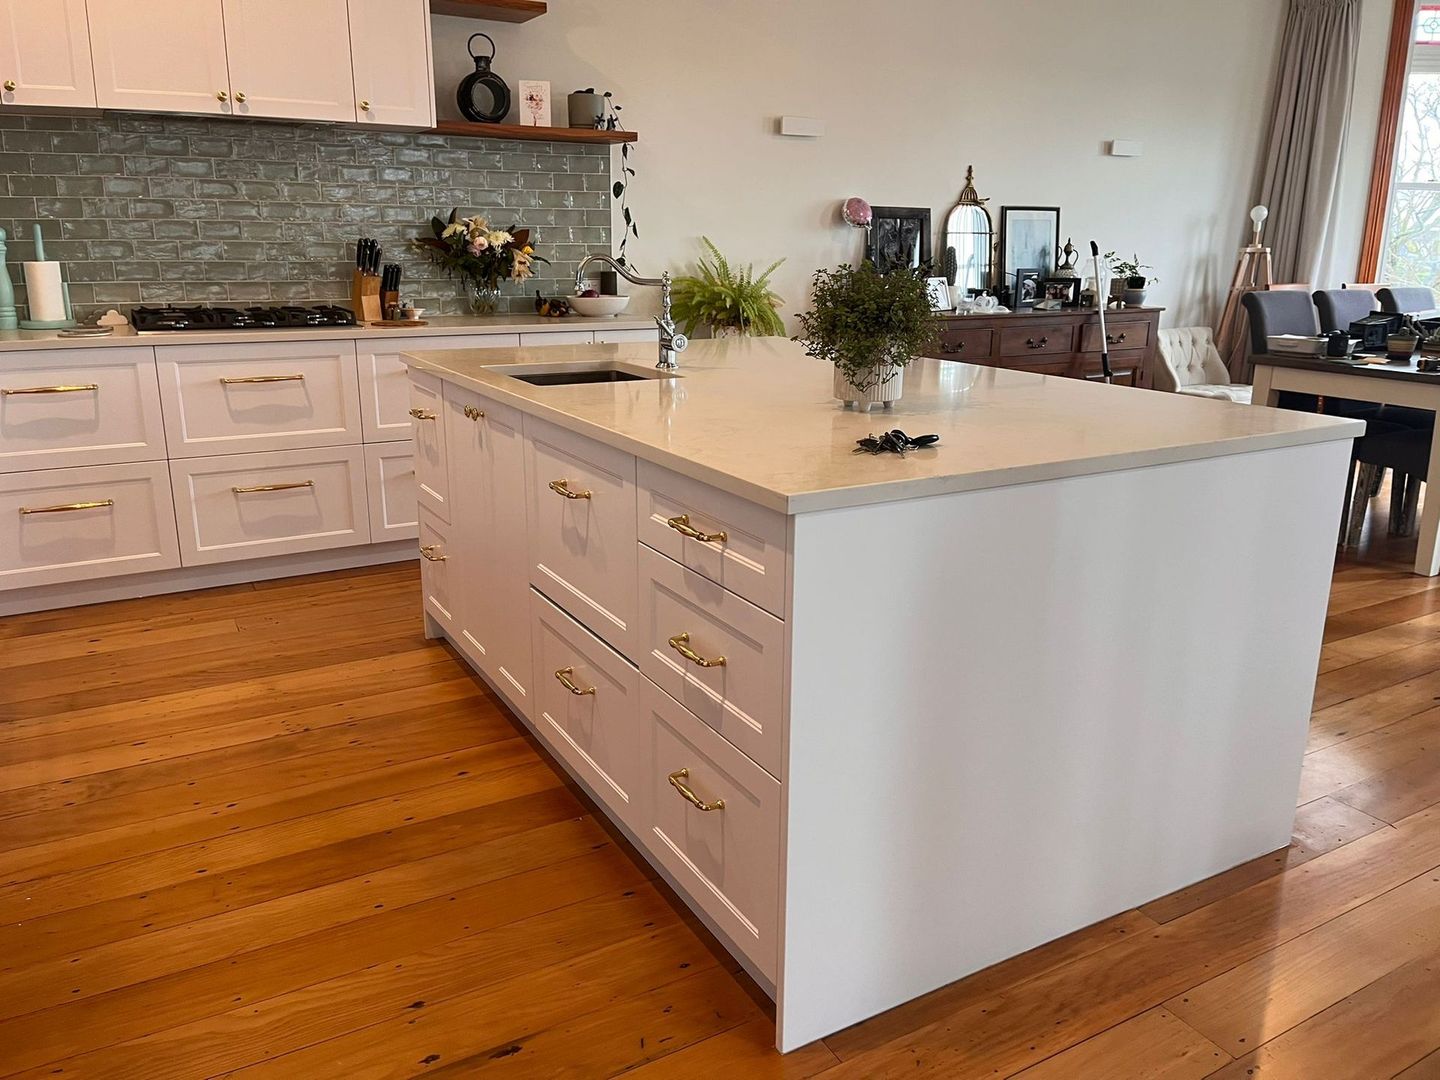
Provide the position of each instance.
(560, 488)
(677, 781)
(76, 389)
(365, 106)
(273, 487)
(563, 675)
(473, 413)
(682, 525)
(679, 644)
(422, 414)
(240, 96)
(428, 552)
(221, 96)
(237, 380)
(9, 86)
(96, 505)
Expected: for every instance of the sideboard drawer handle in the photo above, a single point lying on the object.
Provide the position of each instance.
(240, 379)
(563, 675)
(682, 525)
(428, 552)
(1032, 343)
(1115, 339)
(677, 781)
(957, 347)
(422, 414)
(560, 488)
(98, 504)
(680, 644)
(273, 487)
(77, 389)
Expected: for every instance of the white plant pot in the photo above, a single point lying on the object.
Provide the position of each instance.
(886, 389)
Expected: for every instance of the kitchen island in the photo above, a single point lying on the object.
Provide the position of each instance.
(885, 721)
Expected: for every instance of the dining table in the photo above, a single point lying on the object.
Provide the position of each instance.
(1365, 378)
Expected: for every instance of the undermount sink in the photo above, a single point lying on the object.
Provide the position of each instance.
(580, 372)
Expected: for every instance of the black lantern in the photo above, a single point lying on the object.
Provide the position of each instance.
(483, 95)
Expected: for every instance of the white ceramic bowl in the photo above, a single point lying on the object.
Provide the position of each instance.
(599, 307)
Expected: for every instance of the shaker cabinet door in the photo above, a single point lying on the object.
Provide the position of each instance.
(45, 54)
(290, 61)
(160, 56)
(390, 59)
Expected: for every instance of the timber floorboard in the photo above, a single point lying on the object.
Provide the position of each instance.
(271, 831)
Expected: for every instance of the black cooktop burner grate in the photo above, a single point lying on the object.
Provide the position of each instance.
(280, 317)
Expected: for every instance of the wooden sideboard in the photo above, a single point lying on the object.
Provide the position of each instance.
(1065, 342)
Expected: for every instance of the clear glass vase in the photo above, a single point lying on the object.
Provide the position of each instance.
(484, 297)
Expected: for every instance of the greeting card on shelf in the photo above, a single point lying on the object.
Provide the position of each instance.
(534, 103)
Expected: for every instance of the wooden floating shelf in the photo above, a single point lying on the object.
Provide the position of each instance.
(525, 133)
(510, 11)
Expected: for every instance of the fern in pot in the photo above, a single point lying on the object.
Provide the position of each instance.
(870, 326)
(728, 300)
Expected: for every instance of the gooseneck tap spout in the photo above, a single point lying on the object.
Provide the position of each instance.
(672, 342)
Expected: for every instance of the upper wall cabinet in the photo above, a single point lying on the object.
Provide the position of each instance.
(290, 60)
(391, 57)
(162, 55)
(45, 54)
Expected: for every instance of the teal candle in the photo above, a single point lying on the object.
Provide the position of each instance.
(9, 319)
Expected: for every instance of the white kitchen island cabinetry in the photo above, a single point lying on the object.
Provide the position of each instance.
(883, 722)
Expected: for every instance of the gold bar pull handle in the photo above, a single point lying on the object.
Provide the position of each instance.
(563, 675)
(273, 487)
(64, 507)
(682, 525)
(561, 488)
(237, 380)
(79, 388)
(677, 781)
(680, 644)
(428, 552)
(422, 414)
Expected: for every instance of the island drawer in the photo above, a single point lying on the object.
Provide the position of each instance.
(587, 708)
(717, 654)
(714, 824)
(581, 510)
(226, 399)
(437, 583)
(966, 344)
(79, 524)
(1133, 334)
(69, 407)
(1037, 338)
(730, 541)
(432, 459)
(249, 506)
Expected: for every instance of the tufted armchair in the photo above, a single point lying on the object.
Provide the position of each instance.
(1190, 364)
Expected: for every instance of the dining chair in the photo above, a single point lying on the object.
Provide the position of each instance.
(1338, 308)
(1406, 300)
(1404, 451)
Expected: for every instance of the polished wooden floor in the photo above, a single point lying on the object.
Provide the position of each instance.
(271, 831)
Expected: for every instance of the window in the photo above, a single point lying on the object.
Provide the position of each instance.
(1411, 250)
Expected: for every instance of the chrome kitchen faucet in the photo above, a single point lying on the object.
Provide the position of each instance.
(672, 342)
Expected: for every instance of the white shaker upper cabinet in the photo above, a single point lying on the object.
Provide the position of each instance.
(160, 56)
(290, 60)
(45, 54)
(394, 75)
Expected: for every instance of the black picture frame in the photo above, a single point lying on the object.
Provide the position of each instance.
(899, 238)
(1051, 288)
(1033, 276)
(1029, 236)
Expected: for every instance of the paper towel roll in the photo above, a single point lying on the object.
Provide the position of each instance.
(45, 297)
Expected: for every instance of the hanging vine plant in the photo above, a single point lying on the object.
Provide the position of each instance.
(621, 188)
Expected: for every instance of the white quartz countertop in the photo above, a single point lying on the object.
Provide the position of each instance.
(756, 418)
(440, 326)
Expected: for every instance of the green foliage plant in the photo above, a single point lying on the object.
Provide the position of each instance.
(868, 324)
(723, 297)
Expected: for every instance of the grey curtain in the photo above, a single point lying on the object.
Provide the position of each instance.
(1313, 90)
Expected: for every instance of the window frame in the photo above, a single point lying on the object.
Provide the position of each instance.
(1382, 170)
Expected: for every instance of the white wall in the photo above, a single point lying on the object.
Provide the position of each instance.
(1028, 91)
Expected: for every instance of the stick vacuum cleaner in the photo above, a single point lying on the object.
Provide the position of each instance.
(1100, 306)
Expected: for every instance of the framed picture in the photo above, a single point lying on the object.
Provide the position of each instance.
(940, 299)
(899, 238)
(1028, 284)
(1029, 236)
(1066, 290)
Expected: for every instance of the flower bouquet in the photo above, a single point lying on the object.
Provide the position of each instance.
(483, 256)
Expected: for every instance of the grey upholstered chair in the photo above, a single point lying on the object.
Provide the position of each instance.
(1338, 308)
(1406, 300)
(1279, 311)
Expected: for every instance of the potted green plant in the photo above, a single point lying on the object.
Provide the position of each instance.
(1128, 281)
(870, 326)
(727, 300)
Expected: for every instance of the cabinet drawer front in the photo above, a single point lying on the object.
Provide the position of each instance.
(67, 407)
(1124, 366)
(743, 698)
(226, 399)
(249, 506)
(432, 460)
(85, 523)
(1064, 368)
(437, 579)
(595, 727)
(557, 337)
(749, 560)
(1121, 335)
(727, 860)
(582, 548)
(1037, 339)
(390, 491)
(958, 344)
(622, 337)
(385, 382)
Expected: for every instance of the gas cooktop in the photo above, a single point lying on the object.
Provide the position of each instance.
(286, 317)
